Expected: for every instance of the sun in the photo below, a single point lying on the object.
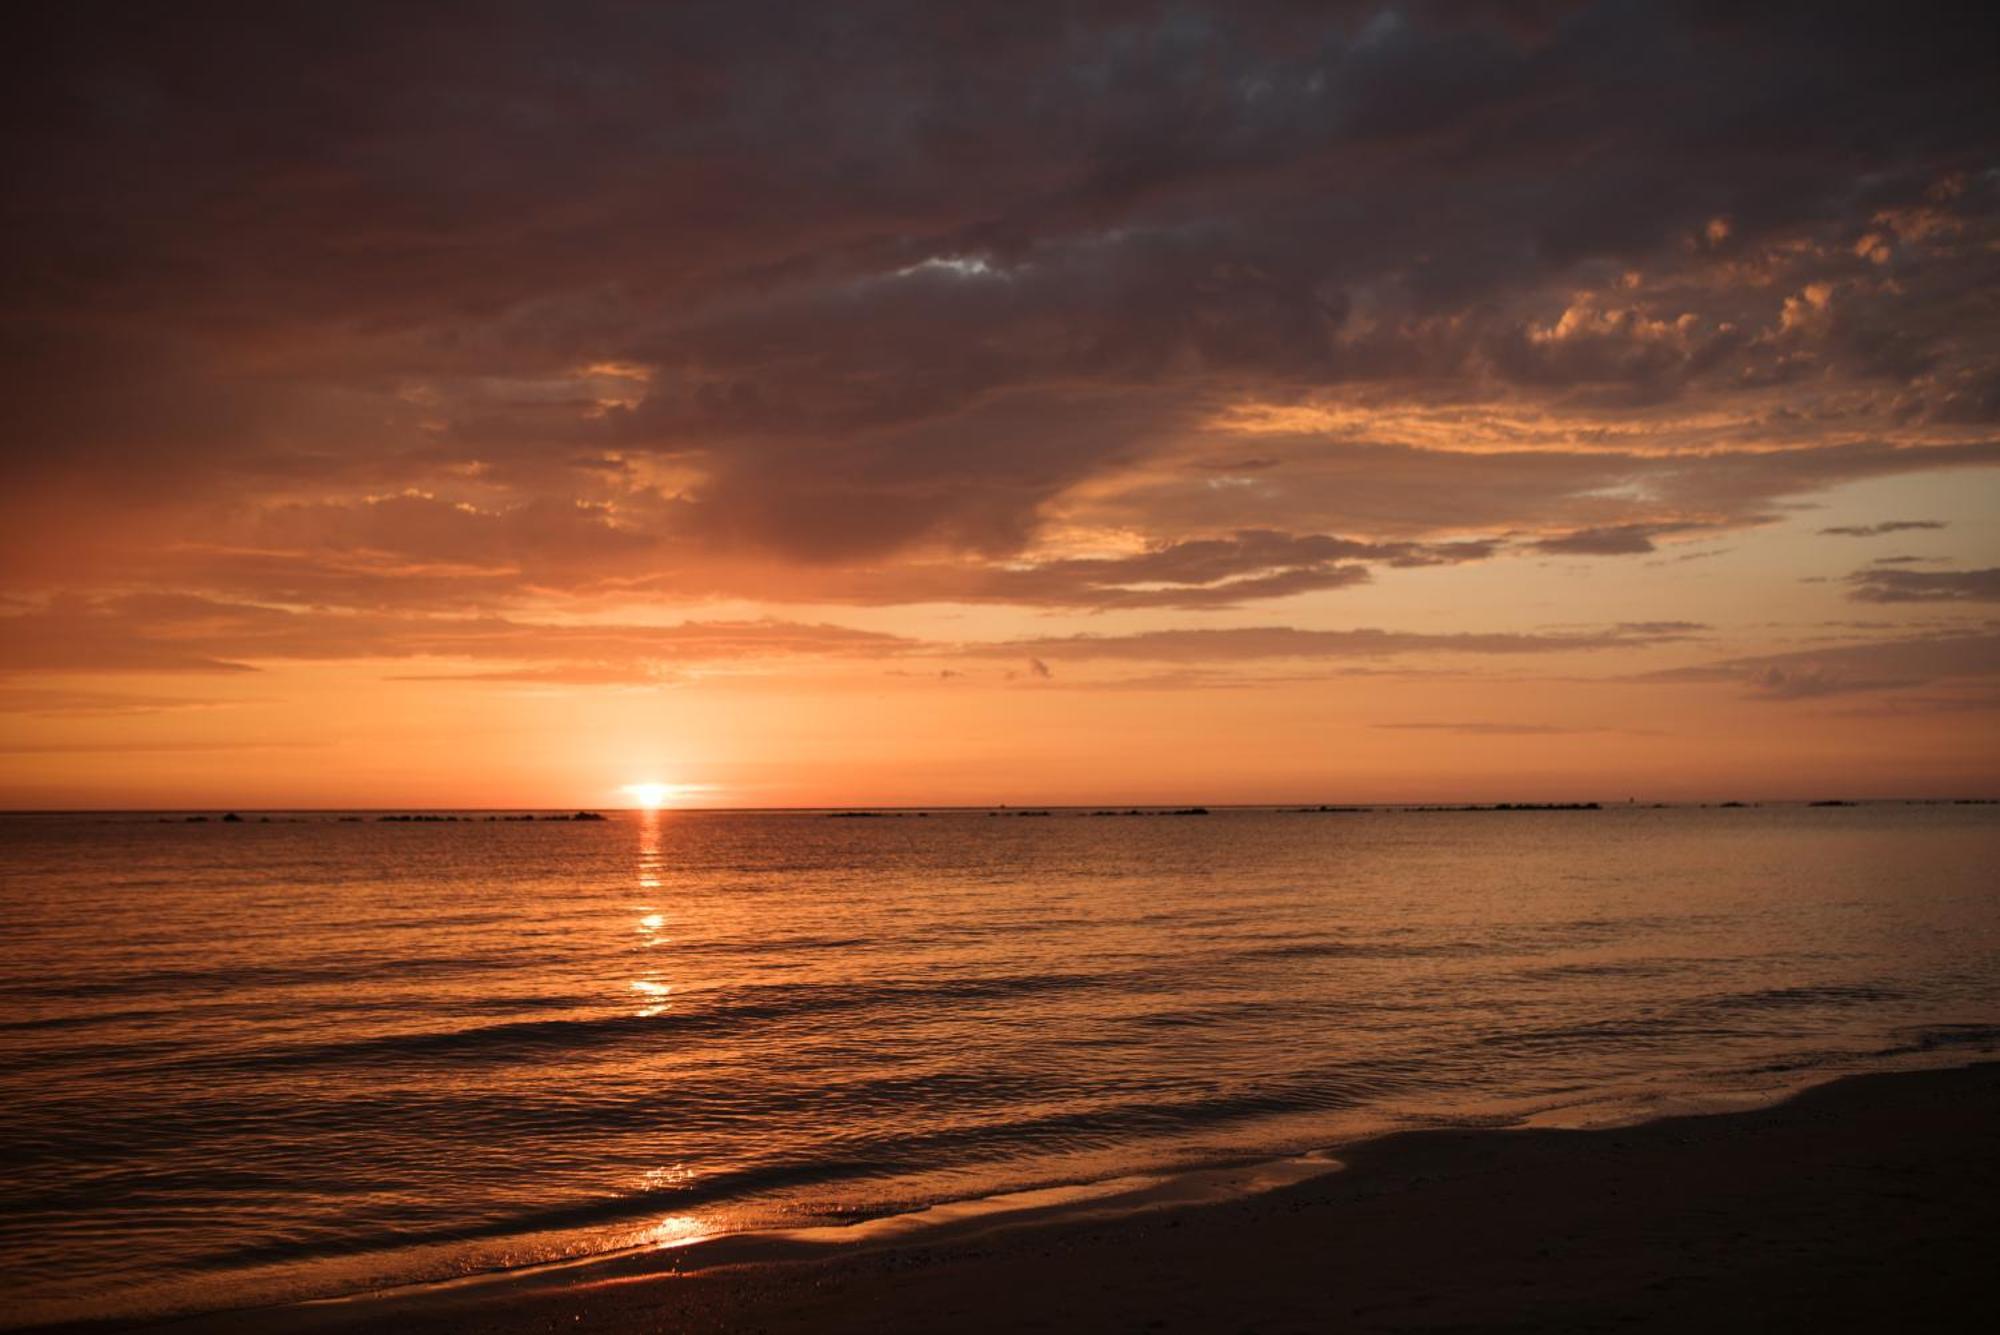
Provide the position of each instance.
(651, 796)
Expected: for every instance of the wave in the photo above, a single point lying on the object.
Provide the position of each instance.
(896, 1156)
(145, 982)
(1382, 950)
(596, 1211)
(1942, 1037)
(1787, 998)
(1658, 968)
(1639, 1031)
(513, 1039)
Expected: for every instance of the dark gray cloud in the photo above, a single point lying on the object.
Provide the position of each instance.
(387, 307)
(1886, 526)
(1614, 540)
(1619, 498)
(1925, 586)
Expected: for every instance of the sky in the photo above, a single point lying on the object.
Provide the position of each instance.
(501, 404)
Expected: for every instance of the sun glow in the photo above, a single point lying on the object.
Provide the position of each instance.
(651, 796)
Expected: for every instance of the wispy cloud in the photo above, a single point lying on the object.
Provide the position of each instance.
(1925, 586)
(1489, 729)
(1199, 645)
(1886, 526)
(164, 633)
(1855, 666)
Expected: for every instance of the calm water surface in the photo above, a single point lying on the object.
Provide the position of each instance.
(264, 1061)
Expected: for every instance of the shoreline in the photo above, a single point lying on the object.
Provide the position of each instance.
(1798, 1180)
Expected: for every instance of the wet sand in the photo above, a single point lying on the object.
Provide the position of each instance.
(1872, 1203)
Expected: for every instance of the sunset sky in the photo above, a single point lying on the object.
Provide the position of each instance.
(496, 405)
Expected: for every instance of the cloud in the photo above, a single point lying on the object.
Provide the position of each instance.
(1925, 586)
(1646, 356)
(1217, 572)
(57, 702)
(1843, 669)
(188, 634)
(1483, 729)
(1886, 526)
(180, 633)
(1201, 645)
(1616, 540)
(397, 312)
(1470, 469)
(1685, 557)
(1909, 706)
(147, 748)
(632, 672)
(1803, 681)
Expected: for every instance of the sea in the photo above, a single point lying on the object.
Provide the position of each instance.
(300, 1055)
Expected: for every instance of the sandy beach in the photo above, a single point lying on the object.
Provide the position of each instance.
(1870, 1203)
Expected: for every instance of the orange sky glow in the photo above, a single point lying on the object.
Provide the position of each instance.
(1179, 407)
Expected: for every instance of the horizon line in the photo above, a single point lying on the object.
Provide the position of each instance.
(1290, 804)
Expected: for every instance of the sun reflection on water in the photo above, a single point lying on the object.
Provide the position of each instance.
(676, 1230)
(652, 921)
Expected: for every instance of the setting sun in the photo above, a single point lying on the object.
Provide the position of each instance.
(651, 796)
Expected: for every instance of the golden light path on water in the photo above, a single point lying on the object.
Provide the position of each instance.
(675, 1229)
(650, 985)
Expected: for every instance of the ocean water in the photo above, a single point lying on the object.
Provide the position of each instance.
(255, 1062)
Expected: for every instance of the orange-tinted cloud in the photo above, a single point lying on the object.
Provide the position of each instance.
(1923, 586)
(1843, 668)
(567, 346)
